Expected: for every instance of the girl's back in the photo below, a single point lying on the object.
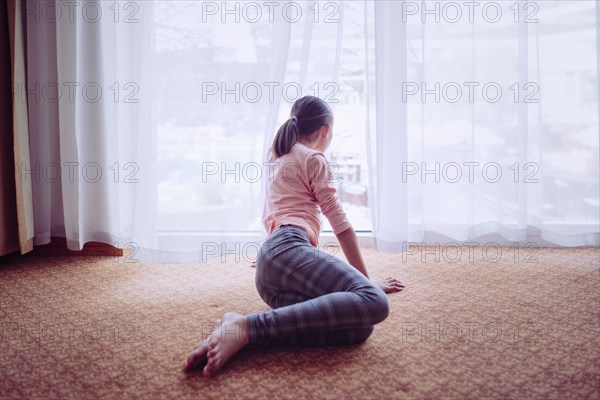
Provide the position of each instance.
(299, 189)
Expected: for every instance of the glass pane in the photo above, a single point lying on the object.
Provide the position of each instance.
(214, 100)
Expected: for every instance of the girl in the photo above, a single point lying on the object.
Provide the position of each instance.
(316, 298)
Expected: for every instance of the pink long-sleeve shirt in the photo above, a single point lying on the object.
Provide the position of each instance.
(299, 190)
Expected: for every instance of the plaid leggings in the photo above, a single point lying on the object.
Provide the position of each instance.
(316, 298)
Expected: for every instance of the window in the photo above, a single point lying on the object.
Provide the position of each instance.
(214, 100)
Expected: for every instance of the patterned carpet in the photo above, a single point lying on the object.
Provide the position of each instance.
(98, 327)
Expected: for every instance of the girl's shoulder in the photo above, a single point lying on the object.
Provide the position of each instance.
(300, 154)
(305, 152)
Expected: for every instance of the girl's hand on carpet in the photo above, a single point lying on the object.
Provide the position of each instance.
(389, 284)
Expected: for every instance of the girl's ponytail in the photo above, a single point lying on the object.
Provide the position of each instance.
(286, 137)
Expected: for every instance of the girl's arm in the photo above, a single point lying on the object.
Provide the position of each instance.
(349, 243)
(320, 177)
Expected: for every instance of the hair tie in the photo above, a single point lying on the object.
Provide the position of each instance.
(294, 119)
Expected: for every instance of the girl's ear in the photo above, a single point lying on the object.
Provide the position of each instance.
(325, 130)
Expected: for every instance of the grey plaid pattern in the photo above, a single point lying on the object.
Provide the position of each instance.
(316, 298)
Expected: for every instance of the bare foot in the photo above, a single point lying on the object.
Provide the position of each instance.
(199, 357)
(227, 339)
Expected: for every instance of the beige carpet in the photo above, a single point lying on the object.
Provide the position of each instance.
(81, 327)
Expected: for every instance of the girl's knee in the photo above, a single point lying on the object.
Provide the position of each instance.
(379, 307)
(363, 334)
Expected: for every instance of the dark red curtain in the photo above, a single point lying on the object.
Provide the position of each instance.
(9, 235)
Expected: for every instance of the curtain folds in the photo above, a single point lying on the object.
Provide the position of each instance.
(20, 127)
(480, 126)
(9, 235)
(137, 122)
(92, 128)
(388, 135)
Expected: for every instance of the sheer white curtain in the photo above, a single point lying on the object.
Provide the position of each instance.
(151, 121)
(483, 119)
(93, 132)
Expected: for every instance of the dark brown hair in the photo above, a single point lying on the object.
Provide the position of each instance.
(308, 114)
